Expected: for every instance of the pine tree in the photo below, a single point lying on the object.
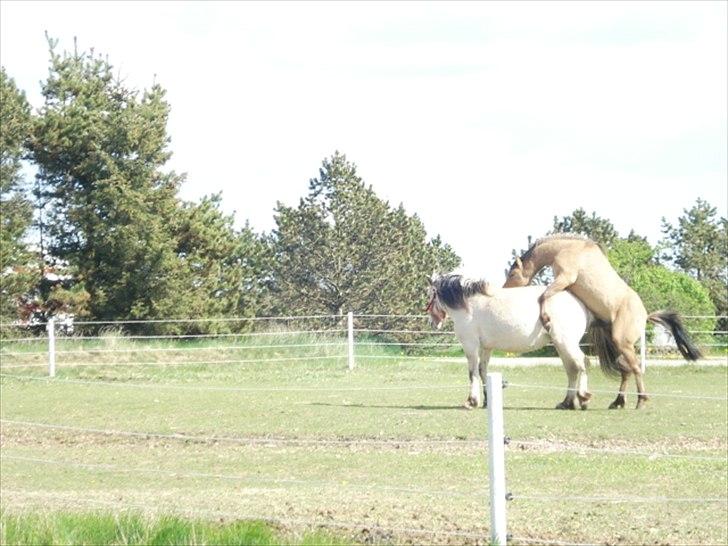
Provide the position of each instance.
(345, 249)
(18, 273)
(100, 149)
(597, 229)
(698, 246)
(226, 269)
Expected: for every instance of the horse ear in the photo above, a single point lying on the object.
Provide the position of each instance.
(519, 263)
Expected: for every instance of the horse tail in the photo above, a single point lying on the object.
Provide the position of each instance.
(600, 333)
(671, 320)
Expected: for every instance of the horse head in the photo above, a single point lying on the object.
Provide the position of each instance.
(516, 276)
(434, 309)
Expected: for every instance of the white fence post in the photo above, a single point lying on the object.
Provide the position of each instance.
(496, 453)
(51, 329)
(350, 331)
(643, 351)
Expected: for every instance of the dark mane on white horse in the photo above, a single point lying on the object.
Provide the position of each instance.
(452, 289)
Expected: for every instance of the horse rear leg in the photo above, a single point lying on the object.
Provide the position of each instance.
(619, 401)
(633, 364)
(574, 361)
(583, 393)
(626, 330)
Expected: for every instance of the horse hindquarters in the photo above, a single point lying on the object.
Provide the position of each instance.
(569, 321)
(625, 330)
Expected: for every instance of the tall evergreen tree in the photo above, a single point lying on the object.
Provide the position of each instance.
(18, 273)
(100, 149)
(226, 270)
(343, 248)
(698, 246)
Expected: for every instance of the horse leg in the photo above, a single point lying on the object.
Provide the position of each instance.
(583, 393)
(619, 401)
(625, 333)
(642, 397)
(561, 282)
(483, 368)
(472, 400)
(573, 372)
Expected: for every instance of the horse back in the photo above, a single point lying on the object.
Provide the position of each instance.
(510, 320)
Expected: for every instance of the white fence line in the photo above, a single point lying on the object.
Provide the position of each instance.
(621, 499)
(237, 477)
(182, 349)
(186, 363)
(604, 391)
(350, 331)
(254, 440)
(573, 449)
(259, 319)
(342, 388)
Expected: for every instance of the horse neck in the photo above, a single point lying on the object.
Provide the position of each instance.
(541, 256)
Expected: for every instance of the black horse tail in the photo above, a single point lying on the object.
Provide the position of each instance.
(671, 320)
(600, 333)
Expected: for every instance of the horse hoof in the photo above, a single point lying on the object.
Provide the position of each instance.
(565, 406)
(470, 403)
(641, 404)
(546, 321)
(616, 405)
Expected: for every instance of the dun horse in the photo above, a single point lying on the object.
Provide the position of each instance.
(581, 266)
(488, 318)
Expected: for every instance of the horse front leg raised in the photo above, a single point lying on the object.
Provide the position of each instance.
(483, 368)
(561, 282)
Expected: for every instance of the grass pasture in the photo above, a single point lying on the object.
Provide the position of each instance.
(381, 454)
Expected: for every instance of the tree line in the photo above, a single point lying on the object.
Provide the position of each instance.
(101, 232)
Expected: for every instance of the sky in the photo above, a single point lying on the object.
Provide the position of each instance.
(486, 119)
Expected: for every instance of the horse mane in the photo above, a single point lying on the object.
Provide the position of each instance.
(453, 289)
(556, 237)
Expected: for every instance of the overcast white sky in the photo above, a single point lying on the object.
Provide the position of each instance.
(485, 119)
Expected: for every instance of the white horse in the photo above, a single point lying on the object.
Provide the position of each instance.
(508, 319)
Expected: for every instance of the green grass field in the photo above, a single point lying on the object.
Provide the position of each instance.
(384, 453)
(95, 528)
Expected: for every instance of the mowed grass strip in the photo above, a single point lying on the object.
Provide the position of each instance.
(387, 444)
(104, 528)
